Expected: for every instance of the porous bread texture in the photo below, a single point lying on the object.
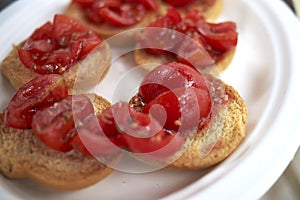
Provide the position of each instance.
(106, 30)
(84, 73)
(22, 155)
(215, 141)
(220, 138)
(149, 61)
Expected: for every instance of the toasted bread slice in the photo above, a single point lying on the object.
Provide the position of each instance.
(225, 131)
(216, 140)
(149, 61)
(211, 9)
(97, 62)
(22, 155)
(106, 30)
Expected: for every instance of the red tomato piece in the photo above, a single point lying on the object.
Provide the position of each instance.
(221, 37)
(54, 125)
(162, 37)
(54, 48)
(170, 76)
(127, 14)
(179, 3)
(137, 132)
(194, 52)
(191, 39)
(180, 109)
(116, 12)
(91, 139)
(35, 95)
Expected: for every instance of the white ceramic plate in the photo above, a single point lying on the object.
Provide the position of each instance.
(265, 71)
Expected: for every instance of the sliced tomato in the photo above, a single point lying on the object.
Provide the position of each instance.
(180, 109)
(91, 139)
(35, 95)
(201, 44)
(221, 37)
(126, 15)
(194, 52)
(170, 76)
(137, 132)
(179, 3)
(54, 48)
(116, 12)
(160, 36)
(54, 125)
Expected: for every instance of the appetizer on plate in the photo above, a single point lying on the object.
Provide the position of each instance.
(112, 17)
(65, 47)
(189, 39)
(43, 132)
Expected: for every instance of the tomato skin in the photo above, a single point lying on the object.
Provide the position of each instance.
(137, 131)
(91, 139)
(35, 95)
(203, 41)
(123, 18)
(221, 37)
(181, 108)
(116, 12)
(54, 125)
(170, 76)
(166, 38)
(54, 48)
(179, 3)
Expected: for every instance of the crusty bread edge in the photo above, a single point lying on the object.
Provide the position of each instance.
(22, 155)
(106, 30)
(150, 61)
(17, 74)
(217, 148)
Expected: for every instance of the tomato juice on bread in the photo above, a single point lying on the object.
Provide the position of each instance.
(65, 47)
(189, 39)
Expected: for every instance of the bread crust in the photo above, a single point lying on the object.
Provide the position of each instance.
(106, 30)
(149, 61)
(22, 155)
(214, 142)
(220, 138)
(98, 61)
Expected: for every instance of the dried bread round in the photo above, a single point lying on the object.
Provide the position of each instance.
(149, 61)
(220, 138)
(106, 30)
(22, 155)
(82, 72)
(215, 141)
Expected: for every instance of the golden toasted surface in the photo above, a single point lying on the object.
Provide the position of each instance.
(85, 73)
(106, 30)
(220, 138)
(149, 61)
(22, 155)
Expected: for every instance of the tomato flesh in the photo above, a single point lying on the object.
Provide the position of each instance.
(116, 12)
(55, 124)
(203, 41)
(91, 139)
(137, 131)
(180, 109)
(35, 95)
(54, 48)
(170, 76)
(179, 3)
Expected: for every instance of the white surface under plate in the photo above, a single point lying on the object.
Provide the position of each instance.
(265, 71)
